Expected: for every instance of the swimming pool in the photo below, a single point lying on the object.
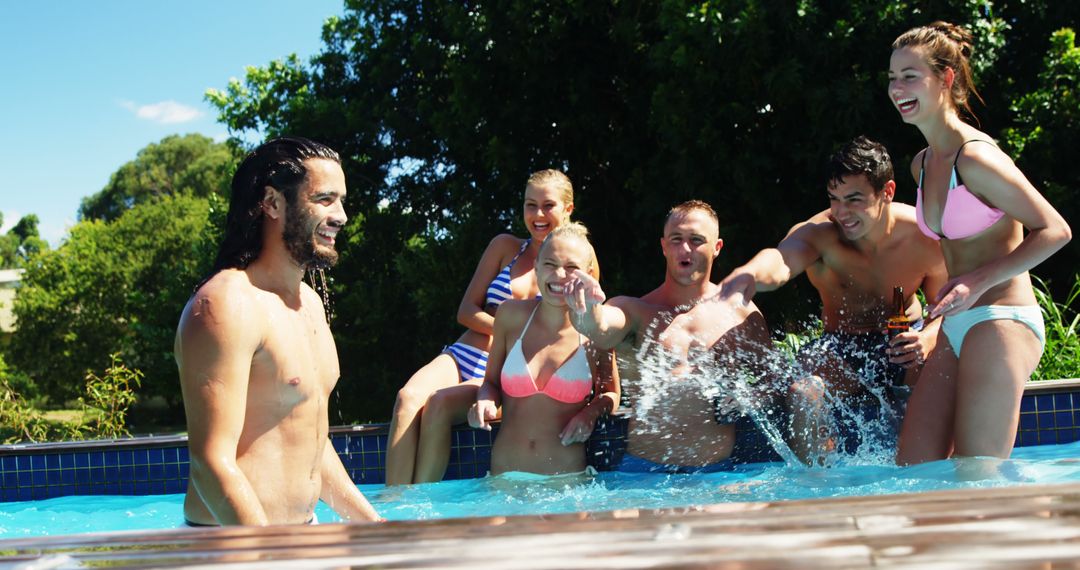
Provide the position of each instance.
(518, 494)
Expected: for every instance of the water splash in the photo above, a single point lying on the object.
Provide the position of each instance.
(757, 383)
(317, 280)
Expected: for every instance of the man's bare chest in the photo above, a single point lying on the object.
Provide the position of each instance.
(297, 359)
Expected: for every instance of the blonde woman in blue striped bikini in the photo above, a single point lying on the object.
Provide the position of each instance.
(439, 394)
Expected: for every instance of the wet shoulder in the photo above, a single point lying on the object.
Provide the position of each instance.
(503, 248)
(749, 328)
(310, 296)
(230, 291)
(906, 227)
(818, 230)
(225, 305)
(981, 160)
(512, 313)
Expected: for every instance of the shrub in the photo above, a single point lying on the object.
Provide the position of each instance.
(1061, 357)
(112, 394)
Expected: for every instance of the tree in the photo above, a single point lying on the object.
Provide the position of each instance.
(20, 242)
(1048, 121)
(119, 281)
(115, 287)
(189, 164)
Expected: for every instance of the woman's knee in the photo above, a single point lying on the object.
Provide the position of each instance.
(410, 400)
(439, 406)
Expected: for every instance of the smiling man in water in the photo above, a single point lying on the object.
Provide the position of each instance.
(854, 253)
(257, 360)
(674, 349)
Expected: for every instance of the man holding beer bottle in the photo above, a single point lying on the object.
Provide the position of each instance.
(857, 254)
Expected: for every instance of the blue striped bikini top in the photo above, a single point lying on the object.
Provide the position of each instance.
(499, 290)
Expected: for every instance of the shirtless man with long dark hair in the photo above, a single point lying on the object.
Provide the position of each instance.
(257, 361)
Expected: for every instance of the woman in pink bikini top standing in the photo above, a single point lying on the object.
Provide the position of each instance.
(977, 202)
(543, 372)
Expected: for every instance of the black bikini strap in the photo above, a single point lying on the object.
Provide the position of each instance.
(922, 167)
(960, 181)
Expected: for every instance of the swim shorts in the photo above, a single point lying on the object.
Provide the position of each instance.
(864, 355)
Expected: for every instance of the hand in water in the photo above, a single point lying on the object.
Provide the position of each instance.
(738, 284)
(482, 413)
(582, 292)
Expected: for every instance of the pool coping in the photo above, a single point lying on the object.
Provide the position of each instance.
(966, 528)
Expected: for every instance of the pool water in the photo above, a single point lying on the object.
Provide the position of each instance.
(515, 494)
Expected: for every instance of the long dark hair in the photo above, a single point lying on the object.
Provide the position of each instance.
(278, 163)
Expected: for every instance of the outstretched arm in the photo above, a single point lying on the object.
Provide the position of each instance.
(339, 491)
(605, 325)
(773, 267)
(214, 346)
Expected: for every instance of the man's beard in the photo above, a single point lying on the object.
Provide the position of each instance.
(299, 237)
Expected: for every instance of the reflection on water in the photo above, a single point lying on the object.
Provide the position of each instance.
(515, 494)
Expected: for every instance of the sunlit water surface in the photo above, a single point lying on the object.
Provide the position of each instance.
(514, 494)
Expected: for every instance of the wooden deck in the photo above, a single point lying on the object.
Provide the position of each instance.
(1017, 527)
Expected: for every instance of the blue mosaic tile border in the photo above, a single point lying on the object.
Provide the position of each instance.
(1049, 419)
(141, 471)
(159, 465)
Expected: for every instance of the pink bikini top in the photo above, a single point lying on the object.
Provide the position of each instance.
(571, 383)
(964, 214)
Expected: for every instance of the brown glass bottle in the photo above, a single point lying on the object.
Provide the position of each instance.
(897, 322)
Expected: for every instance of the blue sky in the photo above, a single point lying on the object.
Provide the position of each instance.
(86, 84)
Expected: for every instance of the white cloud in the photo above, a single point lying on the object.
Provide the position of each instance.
(165, 112)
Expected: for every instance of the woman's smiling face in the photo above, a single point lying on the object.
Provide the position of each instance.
(914, 89)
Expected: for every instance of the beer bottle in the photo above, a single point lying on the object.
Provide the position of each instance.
(898, 321)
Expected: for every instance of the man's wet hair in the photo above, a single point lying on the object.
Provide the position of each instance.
(860, 156)
(278, 163)
(689, 206)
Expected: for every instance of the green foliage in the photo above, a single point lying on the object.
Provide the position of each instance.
(118, 283)
(20, 421)
(113, 287)
(791, 343)
(112, 394)
(1061, 356)
(190, 164)
(1048, 123)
